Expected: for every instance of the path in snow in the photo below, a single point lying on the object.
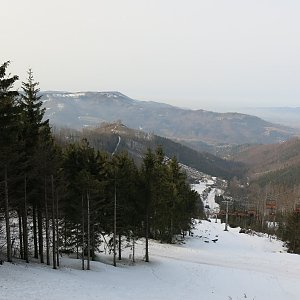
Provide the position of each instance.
(116, 146)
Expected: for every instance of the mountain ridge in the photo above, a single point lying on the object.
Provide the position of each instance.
(85, 109)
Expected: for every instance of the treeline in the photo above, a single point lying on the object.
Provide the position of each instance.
(70, 198)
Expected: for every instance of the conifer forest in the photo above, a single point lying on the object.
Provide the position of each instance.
(70, 198)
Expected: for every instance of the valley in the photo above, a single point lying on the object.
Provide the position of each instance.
(183, 221)
(149, 150)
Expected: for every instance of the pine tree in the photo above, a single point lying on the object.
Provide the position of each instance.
(33, 125)
(81, 168)
(148, 194)
(33, 112)
(9, 126)
(183, 205)
(9, 111)
(291, 232)
(126, 184)
(9, 117)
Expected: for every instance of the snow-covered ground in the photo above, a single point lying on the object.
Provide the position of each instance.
(235, 266)
(207, 193)
(211, 264)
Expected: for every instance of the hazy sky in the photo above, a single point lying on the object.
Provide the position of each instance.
(213, 54)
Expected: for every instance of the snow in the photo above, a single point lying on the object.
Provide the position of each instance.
(212, 264)
(60, 106)
(70, 95)
(117, 146)
(208, 198)
(200, 187)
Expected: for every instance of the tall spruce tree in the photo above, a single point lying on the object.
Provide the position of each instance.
(29, 137)
(33, 113)
(9, 127)
(9, 111)
(148, 194)
(33, 125)
(126, 185)
(9, 116)
(183, 204)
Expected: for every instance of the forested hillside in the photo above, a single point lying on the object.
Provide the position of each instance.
(266, 158)
(136, 142)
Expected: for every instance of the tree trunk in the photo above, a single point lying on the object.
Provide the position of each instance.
(20, 234)
(93, 237)
(53, 225)
(82, 210)
(8, 238)
(35, 241)
(65, 235)
(171, 229)
(115, 224)
(133, 249)
(147, 236)
(120, 247)
(47, 225)
(77, 241)
(57, 237)
(24, 223)
(88, 231)
(40, 231)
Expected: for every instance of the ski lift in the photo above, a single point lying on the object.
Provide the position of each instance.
(270, 204)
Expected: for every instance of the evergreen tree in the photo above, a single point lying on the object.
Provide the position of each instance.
(9, 117)
(148, 194)
(32, 127)
(162, 200)
(9, 112)
(33, 113)
(126, 186)
(9, 127)
(84, 189)
(291, 233)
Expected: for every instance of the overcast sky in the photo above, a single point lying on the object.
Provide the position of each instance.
(213, 54)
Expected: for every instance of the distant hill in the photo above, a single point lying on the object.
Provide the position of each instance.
(277, 163)
(203, 130)
(288, 116)
(263, 158)
(116, 136)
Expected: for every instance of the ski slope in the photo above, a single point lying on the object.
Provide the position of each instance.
(236, 266)
(213, 264)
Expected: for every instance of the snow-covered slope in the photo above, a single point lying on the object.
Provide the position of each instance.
(211, 264)
(235, 266)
